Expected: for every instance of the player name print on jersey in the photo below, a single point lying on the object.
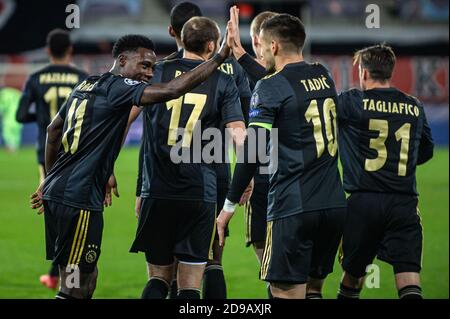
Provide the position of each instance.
(226, 68)
(391, 107)
(316, 84)
(60, 78)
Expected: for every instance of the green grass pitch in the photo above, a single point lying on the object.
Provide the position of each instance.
(123, 275)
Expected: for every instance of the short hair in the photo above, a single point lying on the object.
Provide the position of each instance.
(379, 60)
(181, 13)
(287, 29)
(131, 42)
(58, 42)
(257, 21)
(197, 32)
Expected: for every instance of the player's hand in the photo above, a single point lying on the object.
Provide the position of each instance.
(225, 50)
(226, 46)
(111, 187)
(233, 34)
(36, 199)
(137, 207)
(247, 193)
(222, 222)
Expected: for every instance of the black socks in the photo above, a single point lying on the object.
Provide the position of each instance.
(410, 292)
(214, 286)
(156, 288)
(188, 294)
(348, 293)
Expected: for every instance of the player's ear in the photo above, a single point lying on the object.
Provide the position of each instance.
(171, 31)
(274, 47)
(365, 74)
(122, 60)
(210, 47)
(255, 41)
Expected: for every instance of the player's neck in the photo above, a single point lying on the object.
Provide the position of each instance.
(179, 44)
(62, 61)
(195, 56)
(371, 85)
(115, 69)
(282, 60)
(261, 62)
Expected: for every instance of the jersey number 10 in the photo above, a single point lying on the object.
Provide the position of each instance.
(329, 115)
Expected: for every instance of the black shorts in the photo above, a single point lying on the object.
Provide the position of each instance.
(175, 228)
(73, 236)
(302, 246)
(256, 215)
(222, 191)
(386, 226)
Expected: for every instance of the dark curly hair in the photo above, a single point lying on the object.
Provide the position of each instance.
(131, 42)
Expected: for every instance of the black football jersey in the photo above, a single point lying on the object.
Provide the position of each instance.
(382, 132)
(231, 67)
(48, 89)
(176, 126)
(95, 118)
(300, 103)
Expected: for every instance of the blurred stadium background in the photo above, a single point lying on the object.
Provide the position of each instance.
(417, 29)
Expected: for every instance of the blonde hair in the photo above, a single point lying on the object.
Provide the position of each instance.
(255, 26)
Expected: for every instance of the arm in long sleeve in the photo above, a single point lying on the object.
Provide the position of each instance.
(254, 70)
(182, 84)
(245, 170)
(245, 105)
(426, 146)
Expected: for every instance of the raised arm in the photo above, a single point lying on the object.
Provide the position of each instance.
(254, 70)
(186, 82)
